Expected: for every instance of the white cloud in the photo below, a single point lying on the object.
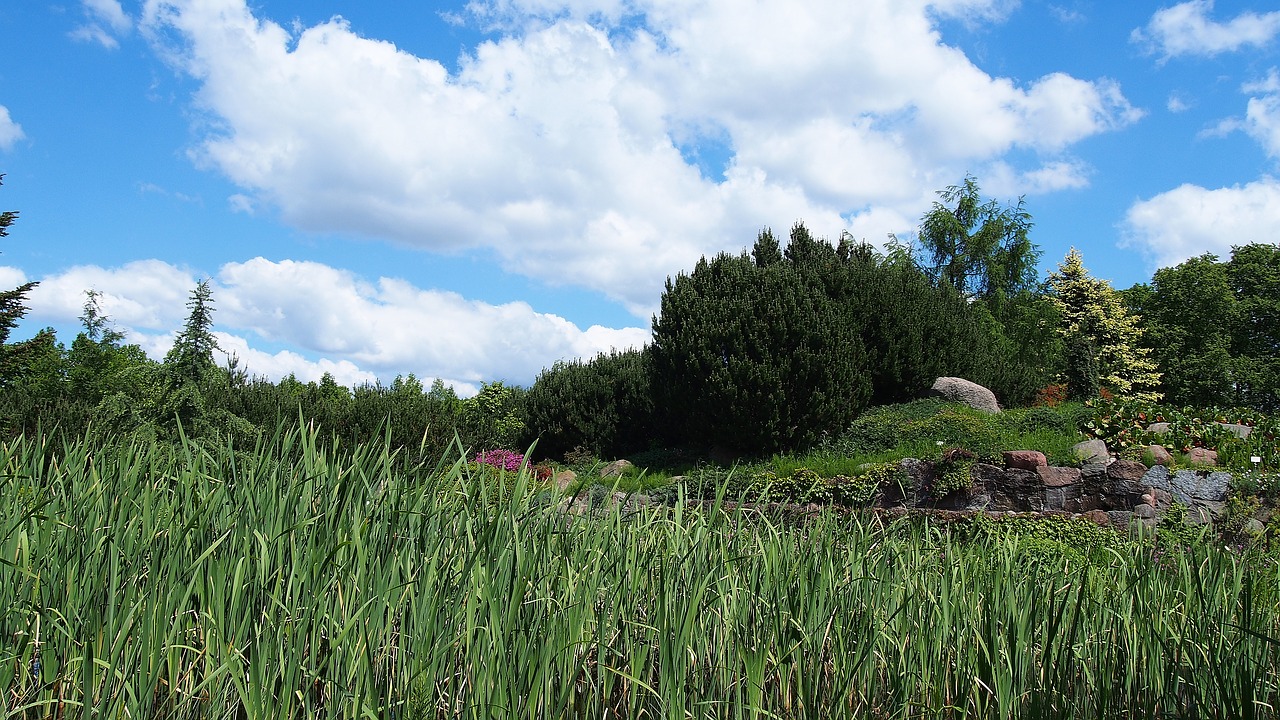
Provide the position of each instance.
(1189, 220)
(145, 294)
(1262, 118)
(10, 131)
(1002, 180)
(1262, 115)
(1176, 104)
(352, 327)
(105, 22)
(284, 363)
(1186, 29)
(555, 146)
(1067, 15)
(11, 277)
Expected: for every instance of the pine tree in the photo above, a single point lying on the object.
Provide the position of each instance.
(13, 356)
(190, 361)
(1091, 309)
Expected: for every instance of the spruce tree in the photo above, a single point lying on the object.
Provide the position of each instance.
(14, 357)
(1091, 309)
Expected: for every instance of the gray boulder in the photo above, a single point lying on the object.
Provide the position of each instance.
(967, 393)
(1092, 451)
(616, 468)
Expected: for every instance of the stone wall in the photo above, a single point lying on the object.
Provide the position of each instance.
(1117, 492)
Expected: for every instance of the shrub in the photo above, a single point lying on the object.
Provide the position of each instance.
(954, 472)
(602, 406)
(501, 459)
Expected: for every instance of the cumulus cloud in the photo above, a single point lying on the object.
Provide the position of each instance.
(105, 21)
(1190, 220)
(1262, 118)
(1186, 29)
(556, 145)
(145, 294)
(11, 277)
(352, 327)
(1002, 180)
(10, 131)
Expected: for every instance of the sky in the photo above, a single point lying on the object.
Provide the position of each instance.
(473, 191)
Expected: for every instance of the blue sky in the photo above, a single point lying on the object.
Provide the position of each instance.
(473, 190)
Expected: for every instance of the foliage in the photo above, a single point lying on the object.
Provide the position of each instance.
(288, 582)
(758, 357)
(1091, 309)
(764, 354)
(1055, 543)
(604, 405)
(501, 459)
(1123, 424)
(952, 473)
(14, 362)
(494, 417)
(980, 248)
(802, 485)
(1214, 327)
(1024, 351)
(1081, 368)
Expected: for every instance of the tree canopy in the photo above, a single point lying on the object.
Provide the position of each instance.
(979, 248)
(1093, 311)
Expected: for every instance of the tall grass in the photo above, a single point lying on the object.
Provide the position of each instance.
(290, 581)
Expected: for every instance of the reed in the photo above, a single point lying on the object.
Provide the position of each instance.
(296, 580)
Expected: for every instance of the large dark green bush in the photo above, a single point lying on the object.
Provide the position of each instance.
(602, 406)
(761, 354)
(778, 349)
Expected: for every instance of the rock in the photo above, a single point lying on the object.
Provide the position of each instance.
(1125, 477)
(1098, 517)
(1159, 455)
(1120, 519)
(1159, 428)
(1195, 489)
(563, 479)
(1202, 456)
(1092, 451)
(1066, 497)
(1254, 527)
(1190, 485)
(967, 393)
(1024, 459)
(1156, 477)
(919, 473)
(1241, 431)
(616, 468)
(1144, 511)
(1008, 489)
(1054, 477)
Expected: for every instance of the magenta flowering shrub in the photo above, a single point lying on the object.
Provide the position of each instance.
(501, 459)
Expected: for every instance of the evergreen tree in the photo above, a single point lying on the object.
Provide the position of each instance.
(1081, 369)
(758, 355)
(14, 359)
(978, 248)
(190, 361)
(603, 405)
(1091, 309)
(190, 368)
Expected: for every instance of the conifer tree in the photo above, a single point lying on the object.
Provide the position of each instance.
(190, 361)
(1092, 310)
(13, 356)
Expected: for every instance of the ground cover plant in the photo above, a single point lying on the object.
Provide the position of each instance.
(296, 581)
